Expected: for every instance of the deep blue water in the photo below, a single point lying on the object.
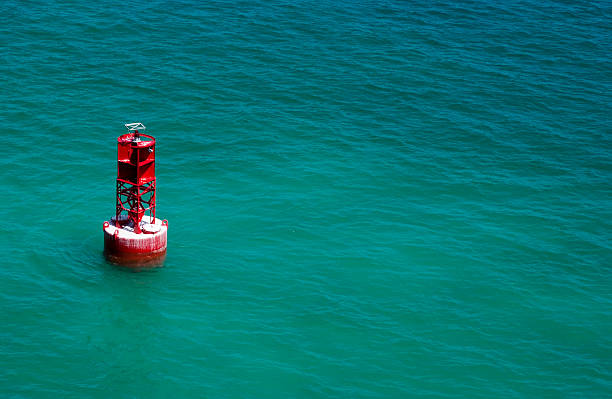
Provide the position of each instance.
(366, 199)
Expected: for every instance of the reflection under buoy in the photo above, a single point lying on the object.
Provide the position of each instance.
(136, 261)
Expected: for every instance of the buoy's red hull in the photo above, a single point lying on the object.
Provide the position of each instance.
(135, 250)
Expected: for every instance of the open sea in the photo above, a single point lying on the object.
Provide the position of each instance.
(366, 199)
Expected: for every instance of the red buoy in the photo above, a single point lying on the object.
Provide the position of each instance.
(134, 236)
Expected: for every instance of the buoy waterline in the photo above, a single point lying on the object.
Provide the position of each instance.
(134, 236)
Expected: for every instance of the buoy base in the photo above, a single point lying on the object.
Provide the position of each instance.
(124, 247)
(140, 261)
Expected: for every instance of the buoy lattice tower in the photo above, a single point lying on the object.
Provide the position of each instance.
(134, 234)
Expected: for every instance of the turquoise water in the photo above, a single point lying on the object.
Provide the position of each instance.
(366, 199)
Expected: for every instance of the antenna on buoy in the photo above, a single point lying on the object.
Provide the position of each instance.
(134, 127)
(131, 235)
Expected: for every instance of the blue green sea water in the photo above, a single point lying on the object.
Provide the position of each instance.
(366, 199)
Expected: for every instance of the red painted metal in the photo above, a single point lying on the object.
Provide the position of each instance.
(135, 179)
(147, 250)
